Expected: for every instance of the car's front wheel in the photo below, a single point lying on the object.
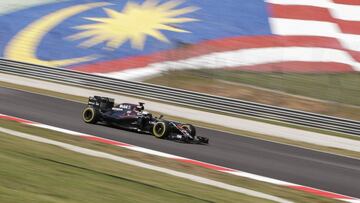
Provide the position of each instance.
(191, 129)
(161, 129)
(90, 115)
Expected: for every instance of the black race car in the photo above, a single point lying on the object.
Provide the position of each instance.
(134, 117)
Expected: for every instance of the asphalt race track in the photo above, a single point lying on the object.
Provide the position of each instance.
(301, 166)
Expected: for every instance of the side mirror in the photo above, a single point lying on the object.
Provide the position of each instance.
(161, 116)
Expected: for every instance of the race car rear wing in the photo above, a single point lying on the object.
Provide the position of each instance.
(101, 102)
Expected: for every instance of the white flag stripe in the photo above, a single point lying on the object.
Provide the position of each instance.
(244, 57)
(345, 12)
(349, 41)
(339, 11)
(281, 26)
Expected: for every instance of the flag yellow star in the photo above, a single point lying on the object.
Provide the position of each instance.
(135, 23)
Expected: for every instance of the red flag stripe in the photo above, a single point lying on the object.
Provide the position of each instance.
(300, 12)
(230, 44)
(348, 2)
(313, 13)
(350, 27)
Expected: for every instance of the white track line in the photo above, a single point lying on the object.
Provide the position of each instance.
(99, 154)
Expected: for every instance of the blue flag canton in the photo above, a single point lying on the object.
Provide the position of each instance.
(191, 22)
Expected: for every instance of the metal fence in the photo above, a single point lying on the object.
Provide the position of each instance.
(187, 98)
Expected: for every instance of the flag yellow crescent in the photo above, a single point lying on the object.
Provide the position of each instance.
(23, 45)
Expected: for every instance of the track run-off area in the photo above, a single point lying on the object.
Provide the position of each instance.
(287, 163)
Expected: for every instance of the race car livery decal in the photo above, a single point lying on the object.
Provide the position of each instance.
(124, 106)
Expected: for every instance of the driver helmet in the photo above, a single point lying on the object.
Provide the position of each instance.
(140, 107)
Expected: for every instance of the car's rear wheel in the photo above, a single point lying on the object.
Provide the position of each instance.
(90, 115)
(161, 129)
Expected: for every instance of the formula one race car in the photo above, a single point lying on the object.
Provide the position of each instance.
(133, 117)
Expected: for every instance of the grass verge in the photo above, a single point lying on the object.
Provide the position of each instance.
(332, 94)
(37, 172)
(337, 151)
(51, 174)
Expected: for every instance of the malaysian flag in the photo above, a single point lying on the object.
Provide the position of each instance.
(133, 39)
(306, 36)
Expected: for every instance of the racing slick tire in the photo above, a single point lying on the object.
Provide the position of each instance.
(161, 129)
(191, 129)
(90, 115)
